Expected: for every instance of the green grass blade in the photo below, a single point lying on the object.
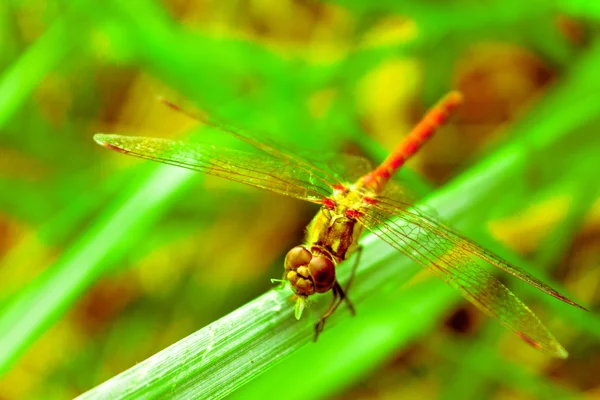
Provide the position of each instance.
(46, 299)
(26, 73)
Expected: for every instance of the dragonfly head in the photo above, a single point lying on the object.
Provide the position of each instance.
(309, 272)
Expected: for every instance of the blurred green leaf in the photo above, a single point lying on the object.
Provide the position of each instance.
(52, 293)
(580, 8)
(24, 75)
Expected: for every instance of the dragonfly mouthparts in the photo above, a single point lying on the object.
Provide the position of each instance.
(301, 304)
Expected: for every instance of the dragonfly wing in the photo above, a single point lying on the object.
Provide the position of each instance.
(461, 269)
(259, 170)
(350, 167)
(397, 194)
(262, 142)
(402, 209)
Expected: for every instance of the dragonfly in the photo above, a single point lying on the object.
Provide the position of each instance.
(351, 204)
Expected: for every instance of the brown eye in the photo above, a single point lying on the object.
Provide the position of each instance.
(297, 257)
(322, 271)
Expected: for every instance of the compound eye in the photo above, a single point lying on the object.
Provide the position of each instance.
(322, 271)
(297, 257)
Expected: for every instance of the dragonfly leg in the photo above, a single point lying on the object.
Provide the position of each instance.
(338, 297)
(343, 293)
(281, 282)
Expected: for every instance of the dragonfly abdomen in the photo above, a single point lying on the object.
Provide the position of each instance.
(421, 133)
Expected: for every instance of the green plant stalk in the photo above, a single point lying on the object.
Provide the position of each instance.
(43, 301)
(580, 8)
(455, 17)
(32, 250)
(25, 74)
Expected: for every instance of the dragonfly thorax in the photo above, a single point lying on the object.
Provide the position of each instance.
(309, 272)
(353, 198)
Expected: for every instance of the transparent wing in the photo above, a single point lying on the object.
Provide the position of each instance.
(398, 195)
(264, 171)
(350, 167)
(451, 239)
(457, 261)
(263, 143)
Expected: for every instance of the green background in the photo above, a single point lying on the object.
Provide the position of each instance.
(106, 260)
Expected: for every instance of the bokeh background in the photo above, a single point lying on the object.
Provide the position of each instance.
(106, 260)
